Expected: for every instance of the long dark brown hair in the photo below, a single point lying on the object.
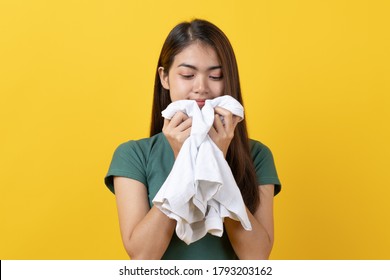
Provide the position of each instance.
(238, 155)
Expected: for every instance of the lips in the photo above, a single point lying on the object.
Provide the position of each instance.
(200, 102)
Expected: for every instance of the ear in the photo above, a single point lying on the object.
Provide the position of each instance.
(163, 78)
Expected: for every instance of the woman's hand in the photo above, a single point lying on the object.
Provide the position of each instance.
(177, 130)
(222, 133)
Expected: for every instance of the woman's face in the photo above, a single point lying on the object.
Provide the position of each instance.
(195, 74)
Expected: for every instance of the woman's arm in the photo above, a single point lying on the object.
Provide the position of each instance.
(146, 232)
(257, 243)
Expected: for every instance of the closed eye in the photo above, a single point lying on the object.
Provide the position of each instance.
(187, 76)
(216, 78)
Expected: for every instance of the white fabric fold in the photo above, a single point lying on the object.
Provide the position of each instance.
(200, 190)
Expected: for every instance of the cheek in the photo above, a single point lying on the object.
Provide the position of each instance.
(181, 86)
(218, 89)
(179, 89)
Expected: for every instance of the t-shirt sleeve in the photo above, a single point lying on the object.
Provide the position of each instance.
(263, 161)
(128, 161)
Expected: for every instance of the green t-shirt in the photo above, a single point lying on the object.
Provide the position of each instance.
(150, 160)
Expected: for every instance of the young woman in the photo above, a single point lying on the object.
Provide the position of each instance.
(196, 62)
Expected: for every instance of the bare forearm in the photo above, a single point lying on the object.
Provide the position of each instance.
(254, 244)
(151, 237)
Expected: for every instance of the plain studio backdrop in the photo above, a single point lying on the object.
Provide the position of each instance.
(76, 80)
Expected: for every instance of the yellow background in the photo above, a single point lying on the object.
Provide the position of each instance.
(76, 80)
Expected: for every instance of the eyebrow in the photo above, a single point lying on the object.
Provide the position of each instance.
(195, 68)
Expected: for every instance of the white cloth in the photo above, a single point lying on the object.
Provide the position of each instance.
(200, 190)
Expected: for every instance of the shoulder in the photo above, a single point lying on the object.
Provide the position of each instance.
(258, 149)
(143, 151)
(142, 146)
(131, 159)
(264, 164)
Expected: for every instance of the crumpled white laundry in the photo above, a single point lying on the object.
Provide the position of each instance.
(200, 190)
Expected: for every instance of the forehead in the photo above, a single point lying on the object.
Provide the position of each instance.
(197, 54)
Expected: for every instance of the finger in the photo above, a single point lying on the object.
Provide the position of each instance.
(178, 118)
(236, 120)
(166, 123)
(227, 117)
(222, 111)
(187, 132)
(212, 133)
(218, 124)
(185, 125)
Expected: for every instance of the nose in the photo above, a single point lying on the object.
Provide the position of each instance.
(201, 85)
